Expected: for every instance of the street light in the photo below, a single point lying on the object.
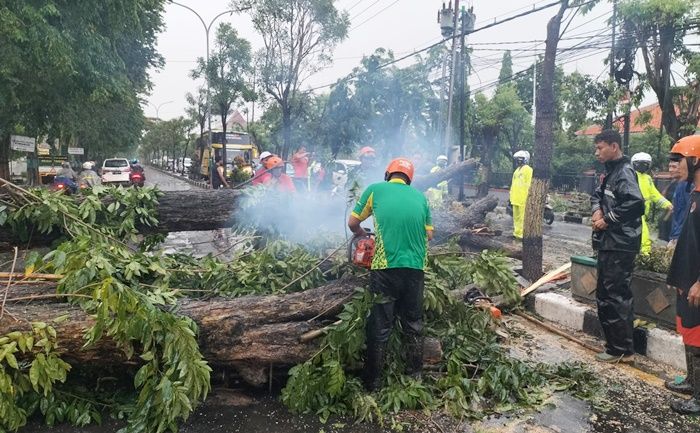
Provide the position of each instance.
(206, 77)
(157, 107)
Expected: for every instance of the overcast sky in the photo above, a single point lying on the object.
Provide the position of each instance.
(400, 25)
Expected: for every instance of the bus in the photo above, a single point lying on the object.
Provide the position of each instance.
(237, 144)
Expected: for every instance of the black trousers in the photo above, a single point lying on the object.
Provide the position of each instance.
(614, 298)
(402, 289)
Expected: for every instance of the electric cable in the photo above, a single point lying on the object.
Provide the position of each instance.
(375, 15)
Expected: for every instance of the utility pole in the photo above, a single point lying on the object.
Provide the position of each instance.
(468, 19)
(207, 28)
(448, 128)
(609, 117)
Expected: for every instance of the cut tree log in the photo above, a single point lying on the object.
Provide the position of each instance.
(247, 334)
(454, 221)
(480, 242)
(451, 223)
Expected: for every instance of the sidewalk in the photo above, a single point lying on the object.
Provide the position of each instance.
(558, 307)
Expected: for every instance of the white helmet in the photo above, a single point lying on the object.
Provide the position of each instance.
(87, 165)
(442, 158)
(641, 157)
(264, 155)
(524, 154)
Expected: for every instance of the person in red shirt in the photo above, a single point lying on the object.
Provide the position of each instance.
(300, 161)
(276, 178)
(262, 175)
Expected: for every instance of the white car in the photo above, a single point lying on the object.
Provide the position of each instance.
(116, 170)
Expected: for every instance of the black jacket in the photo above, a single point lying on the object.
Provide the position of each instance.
(622, 204)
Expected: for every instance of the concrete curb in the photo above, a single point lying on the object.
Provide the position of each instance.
(657, 344)
(197, 183)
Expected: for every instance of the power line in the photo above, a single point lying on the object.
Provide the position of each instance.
(365, 10)
(353, 6)
(422, 50)
(375, 15)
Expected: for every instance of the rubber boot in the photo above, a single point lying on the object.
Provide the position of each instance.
(374, 365)
(692, 405)
(686, 385)
(414, 356)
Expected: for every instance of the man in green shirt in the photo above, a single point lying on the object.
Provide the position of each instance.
(403, 228)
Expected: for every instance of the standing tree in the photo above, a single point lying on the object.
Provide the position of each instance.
(497, 120)
(197, 111)
(298, 37)
(227, 73)
(659, 27)
(85, 85)
(544, 143)
(506, 74)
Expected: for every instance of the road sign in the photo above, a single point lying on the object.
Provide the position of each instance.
(22, 143)
(76, 151)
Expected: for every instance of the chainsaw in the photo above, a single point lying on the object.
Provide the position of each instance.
(361, 250)
(477, 298)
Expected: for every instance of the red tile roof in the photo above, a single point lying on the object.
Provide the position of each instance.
(635, 126)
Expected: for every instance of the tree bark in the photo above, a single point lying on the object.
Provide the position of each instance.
(286, 130)
(451, 222)
(249, 334)
(544, 143)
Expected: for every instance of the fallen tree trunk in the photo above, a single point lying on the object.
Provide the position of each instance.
(206, 209)
(479, 242)
(451, 223)
(429, 180)
(249, 334)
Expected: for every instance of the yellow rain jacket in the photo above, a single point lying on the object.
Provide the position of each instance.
(651, 195)
(519, 188)
(436, 196)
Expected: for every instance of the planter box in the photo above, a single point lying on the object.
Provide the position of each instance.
(653, 299)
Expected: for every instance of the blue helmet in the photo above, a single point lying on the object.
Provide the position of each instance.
(134, 161)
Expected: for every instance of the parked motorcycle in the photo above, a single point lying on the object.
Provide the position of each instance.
(548, 215)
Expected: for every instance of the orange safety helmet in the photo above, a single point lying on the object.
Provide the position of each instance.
(688, 146)
(366, 151)
(273, 161)
(400, 165)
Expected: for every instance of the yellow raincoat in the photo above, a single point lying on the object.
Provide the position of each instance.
(436, 196)
(519, 188)
(651, 195)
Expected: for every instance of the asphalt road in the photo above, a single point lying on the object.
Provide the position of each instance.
(165, 182)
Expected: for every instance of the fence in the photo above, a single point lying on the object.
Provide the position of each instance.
(572, 182)
(560, 182)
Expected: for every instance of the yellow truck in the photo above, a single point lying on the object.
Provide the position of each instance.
(237, 144)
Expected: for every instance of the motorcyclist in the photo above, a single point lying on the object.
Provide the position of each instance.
(642, 165)
(519, 189)
(136, 167)
(66, 171)
(89, 177)
(436, 196)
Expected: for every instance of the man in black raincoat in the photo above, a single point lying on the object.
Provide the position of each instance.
(617, 207)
